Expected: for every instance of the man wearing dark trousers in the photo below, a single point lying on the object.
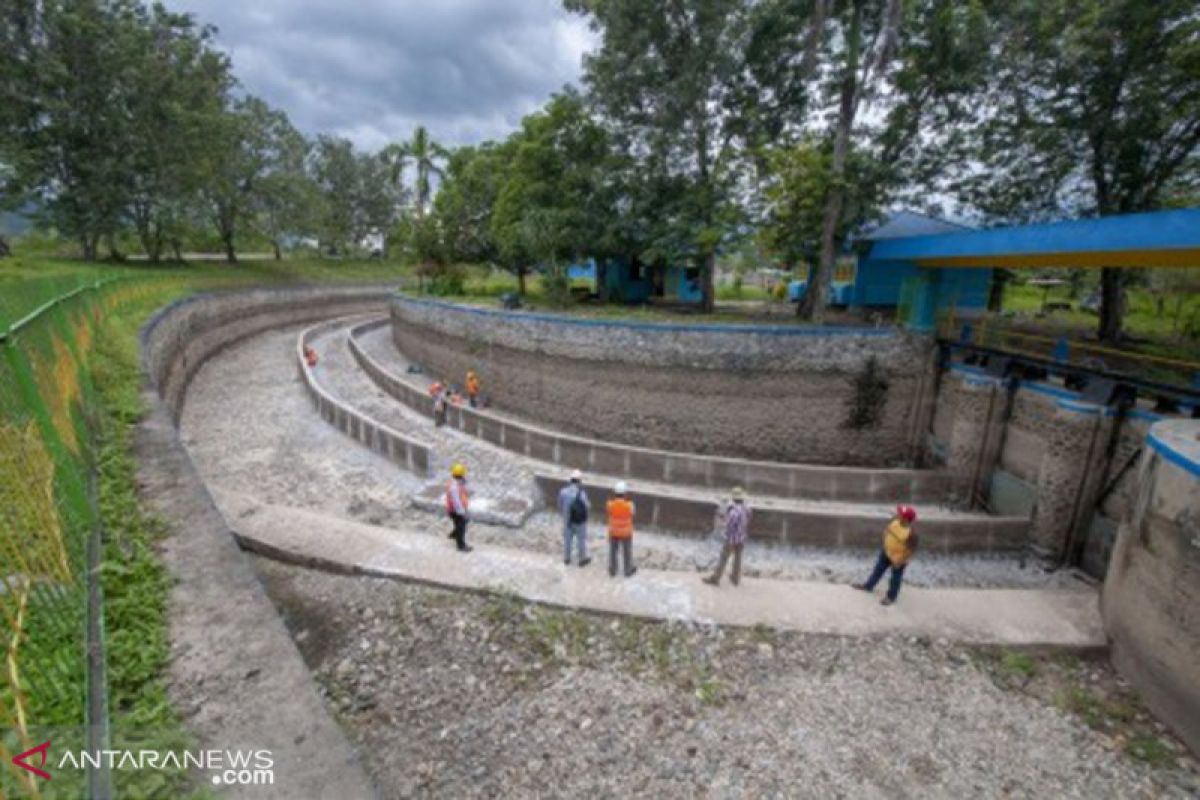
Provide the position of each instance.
(899, 544)
(456, 506)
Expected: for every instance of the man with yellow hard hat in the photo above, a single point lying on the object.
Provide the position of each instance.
(456, 506)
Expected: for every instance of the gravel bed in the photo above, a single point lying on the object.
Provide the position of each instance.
(456, 695)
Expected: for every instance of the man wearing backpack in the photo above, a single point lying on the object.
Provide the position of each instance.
(574, 506)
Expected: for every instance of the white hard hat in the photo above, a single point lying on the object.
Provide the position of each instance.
(576, 475)
(621, 487)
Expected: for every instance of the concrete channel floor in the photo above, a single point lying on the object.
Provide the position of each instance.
(1011, 617)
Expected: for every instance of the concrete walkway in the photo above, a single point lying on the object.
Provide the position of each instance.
(1015, 617)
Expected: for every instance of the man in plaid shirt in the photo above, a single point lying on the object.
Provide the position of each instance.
(735, 517)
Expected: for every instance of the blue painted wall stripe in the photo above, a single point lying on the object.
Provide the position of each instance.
(661, 327)
(1174, 456)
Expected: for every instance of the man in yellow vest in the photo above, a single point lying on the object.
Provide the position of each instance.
(620, 530)
(899, 544)
(456, 506)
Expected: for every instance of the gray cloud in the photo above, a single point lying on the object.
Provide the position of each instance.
(372, 70)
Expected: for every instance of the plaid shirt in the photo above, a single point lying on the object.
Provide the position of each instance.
(736, 518)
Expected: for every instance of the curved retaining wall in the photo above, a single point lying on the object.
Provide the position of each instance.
(179, 338)
(387, 441)
(639, 463)
(215, 595)
(841, 528)
(1152, 592)
(773, 393)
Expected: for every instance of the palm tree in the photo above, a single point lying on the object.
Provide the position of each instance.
(424, 154)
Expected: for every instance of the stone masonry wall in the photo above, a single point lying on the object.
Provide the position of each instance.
(182, 336)
(774, 393)
(1152, 591)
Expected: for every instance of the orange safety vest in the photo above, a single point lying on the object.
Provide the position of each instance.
(472, 385)
(620, 518)
(456, 485)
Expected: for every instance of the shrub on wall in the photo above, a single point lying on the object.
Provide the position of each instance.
(868, 398)
(448, 281)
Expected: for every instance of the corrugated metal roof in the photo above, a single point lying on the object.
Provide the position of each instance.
(909, 223)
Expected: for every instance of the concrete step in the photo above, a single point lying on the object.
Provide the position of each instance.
(813, 523)
(387, 368)
(1011, 617)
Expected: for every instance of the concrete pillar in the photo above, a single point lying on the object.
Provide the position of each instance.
(975, 432)
(1069, 475)
(923, 409)
(1152, 590)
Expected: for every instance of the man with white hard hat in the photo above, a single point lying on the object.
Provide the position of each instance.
(574, 508)
(620, 530)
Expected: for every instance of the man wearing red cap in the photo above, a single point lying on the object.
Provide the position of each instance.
(899, 544)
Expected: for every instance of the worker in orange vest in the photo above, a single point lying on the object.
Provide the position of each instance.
(899, 544)
(456, 506)
(620, 530)
(472, 388)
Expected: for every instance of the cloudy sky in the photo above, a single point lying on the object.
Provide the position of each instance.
(372, 70)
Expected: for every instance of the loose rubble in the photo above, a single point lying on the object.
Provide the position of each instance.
(458, 695)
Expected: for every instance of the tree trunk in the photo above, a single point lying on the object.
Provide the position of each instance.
(88, 244)
(996, 290)
(114, 252)
(278, 254)
(812, 307)
(1110, 305)
(521, 281)
(602, 280)
(230, 252)
(708, 282)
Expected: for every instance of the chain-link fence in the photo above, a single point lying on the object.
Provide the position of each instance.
(52, 650)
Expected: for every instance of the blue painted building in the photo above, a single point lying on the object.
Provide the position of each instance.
(874, 282)
(880, 281)
(943, 264)
(634, 282)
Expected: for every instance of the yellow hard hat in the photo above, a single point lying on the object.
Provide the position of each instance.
(458, 471)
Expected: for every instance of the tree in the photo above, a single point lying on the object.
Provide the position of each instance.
(862, 38)
(549, 206)
(179, 89)
(285, 199)
(464, 201)
(248, 140)
(333, 170)
(1094, 109)
(68, 132)
(669, 77)
(425, 155)
(797, 183)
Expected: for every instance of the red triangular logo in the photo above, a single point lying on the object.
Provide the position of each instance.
(19, 760)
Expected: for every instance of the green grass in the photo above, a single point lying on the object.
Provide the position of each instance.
(1017, 664)
(1143, 319)
(135, 582)
(1151, 750)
